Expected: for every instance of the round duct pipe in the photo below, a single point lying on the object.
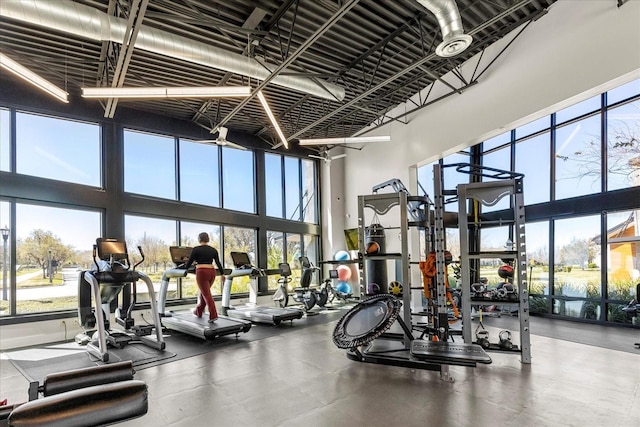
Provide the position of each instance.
(85, 21)
(454, 41)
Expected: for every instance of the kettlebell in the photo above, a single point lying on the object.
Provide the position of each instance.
(482, 339)
(505, 340)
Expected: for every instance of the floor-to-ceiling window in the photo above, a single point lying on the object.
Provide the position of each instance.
(292, 189)
(199, 173)
(7, 271)
(238, 180)
(581, 251)
(149, 165)
(576, 267)
(69, 182)
(63, 150)
(153, 236)
(623, 262)
(53, 244)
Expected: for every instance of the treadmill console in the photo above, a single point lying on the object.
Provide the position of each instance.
(241, 260)
(180, 255)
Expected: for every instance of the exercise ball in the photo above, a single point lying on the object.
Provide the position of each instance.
(373, 289)
(395, 288)
(341, 256)
(372, 248)
(343, 287)
(344, 273)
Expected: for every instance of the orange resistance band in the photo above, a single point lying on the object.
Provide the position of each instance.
(428, 269)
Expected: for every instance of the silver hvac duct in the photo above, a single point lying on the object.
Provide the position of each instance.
(84, 21)
(448, 16)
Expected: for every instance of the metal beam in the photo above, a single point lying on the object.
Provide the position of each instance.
(304, 46)
(250, 23)
(136, 15)
(408, 69)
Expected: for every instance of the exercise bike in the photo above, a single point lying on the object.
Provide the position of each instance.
(304, 294)
(332, 292)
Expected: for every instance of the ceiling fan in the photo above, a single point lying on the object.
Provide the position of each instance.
(222, 139)
(324, 155)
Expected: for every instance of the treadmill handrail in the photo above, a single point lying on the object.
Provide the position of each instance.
(240, 272)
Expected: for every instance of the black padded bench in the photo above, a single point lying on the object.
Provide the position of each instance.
(94, 396)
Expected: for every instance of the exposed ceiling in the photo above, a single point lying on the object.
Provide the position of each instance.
(379, 52)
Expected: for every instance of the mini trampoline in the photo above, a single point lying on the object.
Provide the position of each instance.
(361, 331)
(366, 321)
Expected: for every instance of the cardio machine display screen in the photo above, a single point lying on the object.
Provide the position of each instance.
(240, 259)
(285, 269)
(180, 254)
(109, 247)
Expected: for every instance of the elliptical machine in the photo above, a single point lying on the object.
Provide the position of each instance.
(112, 272)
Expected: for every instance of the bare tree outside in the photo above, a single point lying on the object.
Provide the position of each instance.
(41, 247)
(155, 251)
(623, 150)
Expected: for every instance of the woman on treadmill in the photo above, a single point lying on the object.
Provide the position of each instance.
(204, 256)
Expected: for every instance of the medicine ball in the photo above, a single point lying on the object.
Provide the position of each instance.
(373, 288)
(395, 288)
(372, 248)
(341, 256)
(505, 271)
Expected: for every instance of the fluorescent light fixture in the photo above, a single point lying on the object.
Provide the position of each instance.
(350, 140)
(28, 75)
(263, 100)
(166, 92)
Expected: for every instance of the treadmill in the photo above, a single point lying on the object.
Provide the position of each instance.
(252, 311)
(185, 321)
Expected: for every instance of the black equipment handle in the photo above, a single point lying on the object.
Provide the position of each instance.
(95, 253)
(142, 255)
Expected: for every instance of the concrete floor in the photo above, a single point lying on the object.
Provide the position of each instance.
(301, 378)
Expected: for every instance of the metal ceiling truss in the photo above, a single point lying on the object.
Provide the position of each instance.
(473, 80)
(403, 72)
(136, 15)
(334, 19)
(380, 54)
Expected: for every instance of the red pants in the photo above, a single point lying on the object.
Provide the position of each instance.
(204, 279)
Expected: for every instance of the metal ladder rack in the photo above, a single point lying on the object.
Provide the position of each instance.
(488, 194)
(381, 204)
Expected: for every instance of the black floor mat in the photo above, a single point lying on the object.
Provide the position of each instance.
(36, 363)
